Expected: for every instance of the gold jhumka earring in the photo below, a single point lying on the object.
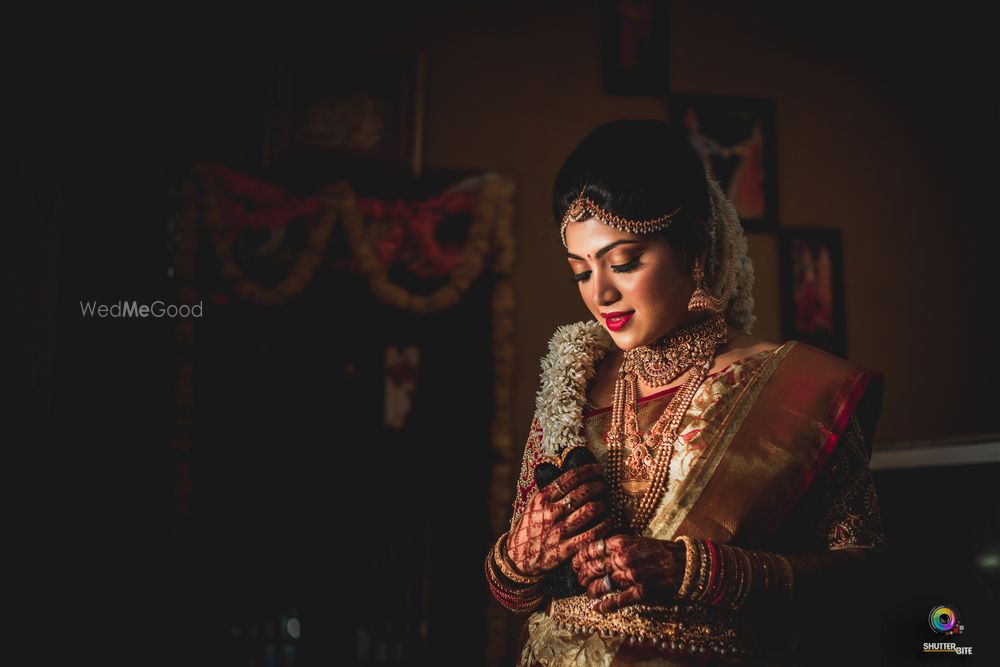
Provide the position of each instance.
(701, 298)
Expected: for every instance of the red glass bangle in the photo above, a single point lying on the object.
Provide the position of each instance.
(713, 575)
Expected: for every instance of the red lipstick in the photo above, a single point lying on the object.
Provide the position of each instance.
(616, 321)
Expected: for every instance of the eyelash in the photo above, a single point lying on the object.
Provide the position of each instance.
(628, 267)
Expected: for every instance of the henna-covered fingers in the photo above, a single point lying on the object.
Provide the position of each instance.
(613, 581)
(631, 595)
(537, 544)
(571, 479)
(615, 562)
(620, 542)
(593, 570)
(600, 586)
(532, 546)
(581, 494)
(596, 549)
(650, 568)
(570, 546)
(583, 516)
(595, 562)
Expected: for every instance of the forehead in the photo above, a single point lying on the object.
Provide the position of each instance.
(588, 236)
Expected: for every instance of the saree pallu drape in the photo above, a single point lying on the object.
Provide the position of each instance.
(755, 438)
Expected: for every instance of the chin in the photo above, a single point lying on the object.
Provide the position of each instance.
(624, 340)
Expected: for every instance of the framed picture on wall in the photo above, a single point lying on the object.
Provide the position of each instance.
(812, 287)
(735, 138)
(366, 110)
(634, 47)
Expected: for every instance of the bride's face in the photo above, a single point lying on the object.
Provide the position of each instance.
(634, 285)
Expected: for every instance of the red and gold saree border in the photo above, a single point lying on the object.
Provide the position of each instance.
(779, 434)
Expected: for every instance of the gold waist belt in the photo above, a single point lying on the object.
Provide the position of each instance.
(684, 627)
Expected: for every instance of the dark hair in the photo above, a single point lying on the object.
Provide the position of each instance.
(639, 169)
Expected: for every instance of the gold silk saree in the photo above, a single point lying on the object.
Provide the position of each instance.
(757, 437)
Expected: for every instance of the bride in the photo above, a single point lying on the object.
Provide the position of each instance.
(727, 480)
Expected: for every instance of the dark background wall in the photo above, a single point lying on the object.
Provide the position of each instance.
(883, 130)
(876, 111)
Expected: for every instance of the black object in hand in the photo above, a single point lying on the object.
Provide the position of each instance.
(562, 582)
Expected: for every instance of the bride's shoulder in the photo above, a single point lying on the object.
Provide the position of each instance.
(742, 344)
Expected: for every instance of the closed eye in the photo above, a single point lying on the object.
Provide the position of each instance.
(583, 276)
(625, 268)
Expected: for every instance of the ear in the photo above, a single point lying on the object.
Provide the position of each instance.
(699, 246)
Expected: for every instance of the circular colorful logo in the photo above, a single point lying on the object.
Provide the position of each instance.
(943, 619)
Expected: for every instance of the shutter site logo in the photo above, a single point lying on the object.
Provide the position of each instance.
(944, 620)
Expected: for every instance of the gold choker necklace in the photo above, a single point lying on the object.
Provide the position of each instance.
(632, 455)
(666, 359)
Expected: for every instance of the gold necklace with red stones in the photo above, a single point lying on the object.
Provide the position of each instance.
(691, 349)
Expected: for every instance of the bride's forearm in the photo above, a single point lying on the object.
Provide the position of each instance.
(836, 568)
(723, 575)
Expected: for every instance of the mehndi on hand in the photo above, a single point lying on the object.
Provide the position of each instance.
(640, 569)
(548, 531)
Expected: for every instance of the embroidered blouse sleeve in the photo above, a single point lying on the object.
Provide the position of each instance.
(851, 519)
(526, 479)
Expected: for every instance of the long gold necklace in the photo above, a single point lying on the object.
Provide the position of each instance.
(692, 349)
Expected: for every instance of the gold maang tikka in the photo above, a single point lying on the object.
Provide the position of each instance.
(584, 207)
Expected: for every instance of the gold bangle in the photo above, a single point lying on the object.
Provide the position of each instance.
(704, 568)
(505, 588)
(692, 559)
(730, 572)
(513, 601)
(739, 577)
(508, 569)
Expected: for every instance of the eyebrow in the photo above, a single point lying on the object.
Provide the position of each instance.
(600, 253)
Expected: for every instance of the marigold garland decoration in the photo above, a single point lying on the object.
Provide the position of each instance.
(227, 203)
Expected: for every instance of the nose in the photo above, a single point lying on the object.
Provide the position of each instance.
(605, 292)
